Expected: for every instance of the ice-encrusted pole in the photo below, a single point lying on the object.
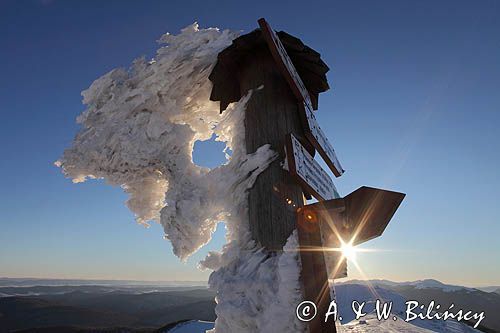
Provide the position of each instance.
(272, 113)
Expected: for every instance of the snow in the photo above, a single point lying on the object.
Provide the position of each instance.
(138, 132)
(434, 284)
(419, 284)
(370, 324)
(347, 292)
(258, 291)
(192, 326)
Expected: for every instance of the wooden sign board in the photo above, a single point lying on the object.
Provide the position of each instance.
(320, 141)
(369, 210)
(312, 129)
(308, 172)
(360, 216)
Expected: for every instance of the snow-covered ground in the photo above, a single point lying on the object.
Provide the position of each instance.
(192, 326)
(370, 324)
(348, 292)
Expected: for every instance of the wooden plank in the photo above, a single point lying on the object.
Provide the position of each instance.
(369, 210)
(308, 172)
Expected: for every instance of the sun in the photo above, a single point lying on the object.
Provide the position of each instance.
(348, 251)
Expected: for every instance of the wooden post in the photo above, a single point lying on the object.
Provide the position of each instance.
(273, 113)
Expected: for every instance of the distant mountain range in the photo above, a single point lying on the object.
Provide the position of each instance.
(427, 283)
(20, 282)
(101, 307)
(133, 307)
(491, 289)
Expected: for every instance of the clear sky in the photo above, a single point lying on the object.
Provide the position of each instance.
(414, 107)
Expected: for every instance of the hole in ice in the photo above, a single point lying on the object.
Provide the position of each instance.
(209, 153)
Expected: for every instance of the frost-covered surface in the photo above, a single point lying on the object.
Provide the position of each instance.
(257, 292)
(138, 132)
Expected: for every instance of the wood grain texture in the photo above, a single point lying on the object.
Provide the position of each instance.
(271, 113)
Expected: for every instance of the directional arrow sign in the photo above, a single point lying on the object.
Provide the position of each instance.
(312, 130)
(368, 211)
(360, 216)
(308, 172)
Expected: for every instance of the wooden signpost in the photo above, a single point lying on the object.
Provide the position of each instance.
(281, 114)
(313, 178)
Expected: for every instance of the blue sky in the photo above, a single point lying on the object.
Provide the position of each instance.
(414, 107)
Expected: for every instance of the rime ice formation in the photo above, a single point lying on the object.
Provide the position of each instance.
(257, 291)
(138, 132)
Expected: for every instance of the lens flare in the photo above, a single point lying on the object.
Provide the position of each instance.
(348, 251)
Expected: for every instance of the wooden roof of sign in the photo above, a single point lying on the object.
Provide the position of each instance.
(308, 63)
